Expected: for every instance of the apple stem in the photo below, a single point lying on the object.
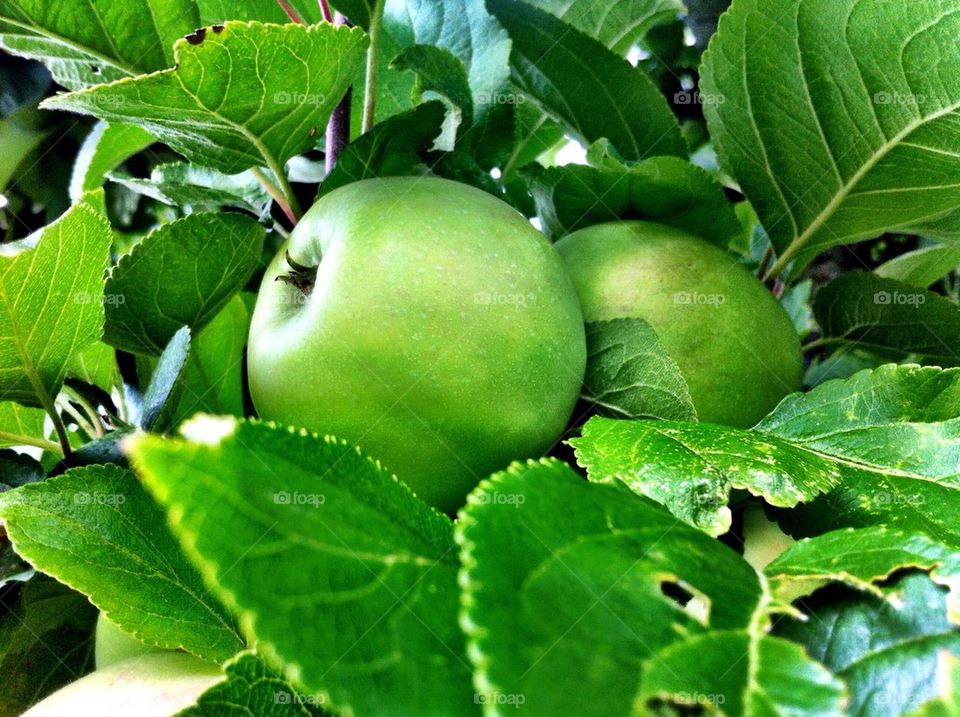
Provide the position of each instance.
(291, 13)
(373, 54)
(338, 127)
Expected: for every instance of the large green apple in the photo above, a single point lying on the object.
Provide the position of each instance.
(425, 321)
(160, 684)
(735, 345)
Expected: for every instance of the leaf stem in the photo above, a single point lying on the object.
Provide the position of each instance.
(64, 438)
(338, 127)
(88, 409)
(373, 55)
(325, 10)
(291, 13)
(284, 198)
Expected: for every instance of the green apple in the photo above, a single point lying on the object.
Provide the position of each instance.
(427, 322)
(160, 684)
(112, 644)
(735, 345)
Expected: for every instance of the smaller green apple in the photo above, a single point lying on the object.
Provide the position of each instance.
(159, 684)
(113, 644)
(734, 344)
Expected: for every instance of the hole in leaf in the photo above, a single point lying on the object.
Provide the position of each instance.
(693, 602)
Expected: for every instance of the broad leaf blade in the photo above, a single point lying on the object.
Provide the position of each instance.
(864, 559)
(866, 311)
(887, 650)
(97, 530)
(181, 274)
(344, 579)
(45, 642)
(630, 374)
(828, 114)
(594, 92)
(252, 688)
(86, 42)
(691, 468)
(241, 96)
(743, 673)
(106, 147)
(618, 24)
(538, 531)
(663, 189)
(51, 304)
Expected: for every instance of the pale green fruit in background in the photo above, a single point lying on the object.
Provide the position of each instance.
(442, 334)
(735, 345)
(114, 645)
(160, 684)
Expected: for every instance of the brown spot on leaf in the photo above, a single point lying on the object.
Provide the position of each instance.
(313, 131)
(196, 37)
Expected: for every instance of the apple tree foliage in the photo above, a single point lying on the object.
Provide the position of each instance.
(155, 154)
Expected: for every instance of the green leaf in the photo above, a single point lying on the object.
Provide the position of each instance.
(947, 703)
(20, 426)
(252, 688)
(564, 590)
(691, 468)
(86, 42)
(466, 29)
(836, 130)
(181, 274)
(45, 643)
(192, 188)
(866, 311)
(743, 673)
(663, 189)
(167, 384)
(863, 559)
(630, 374)
(882, 445)
(214, 373)
(97, 530)
(594, 92)
(534, 134)
(96, 365)
(51, 303)
(392, 148)
(439, 72)
(886, 650)
(214, 12)
(922, 267)
(900, 425)
(20, 135)
(618, 24)
(343, 579)
(241, 96)
(106, 147)
(17, 469)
